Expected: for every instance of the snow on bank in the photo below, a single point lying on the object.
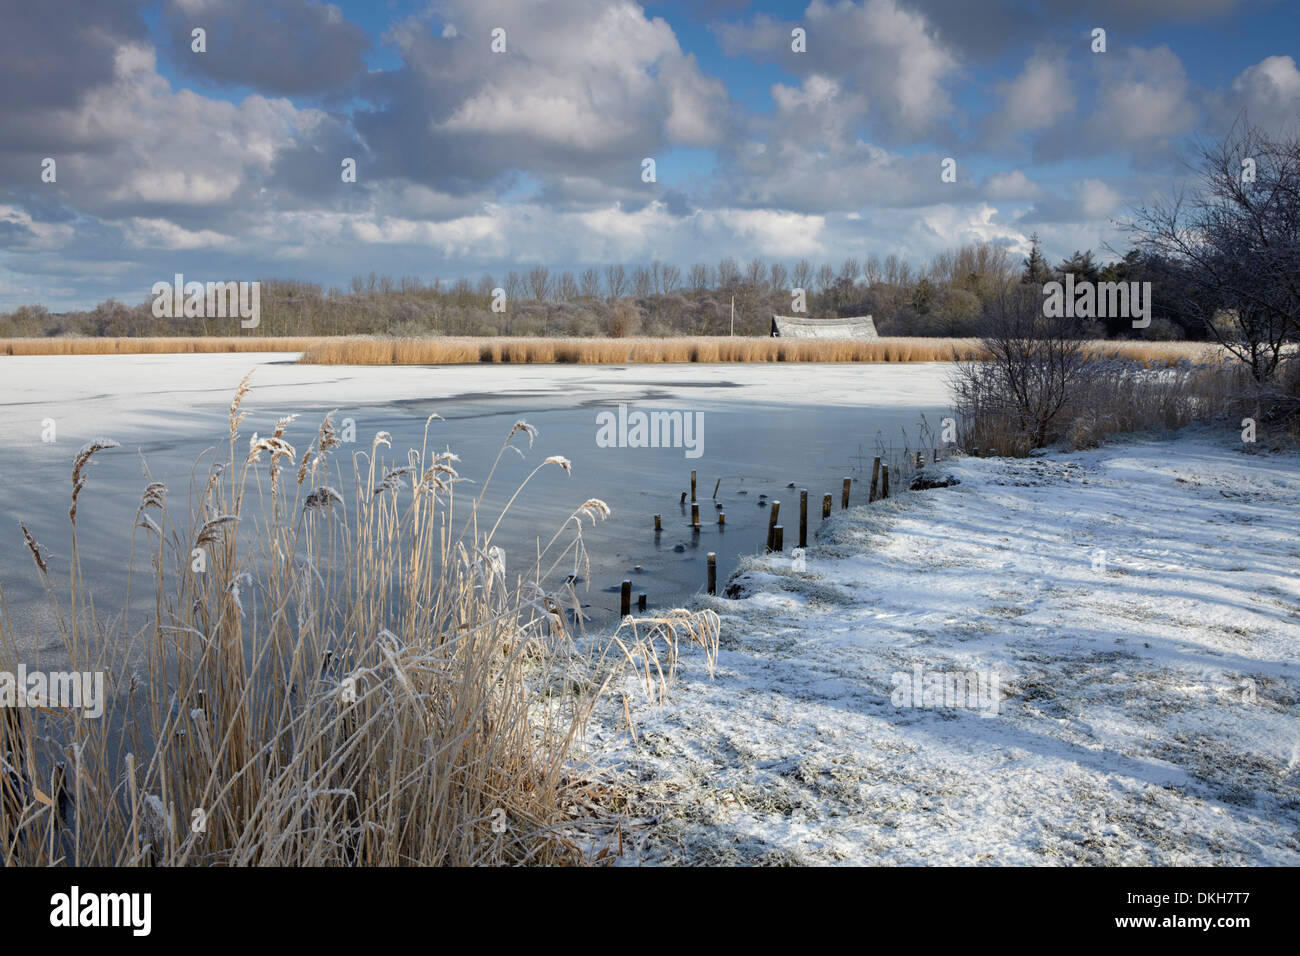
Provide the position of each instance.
(1147, 697)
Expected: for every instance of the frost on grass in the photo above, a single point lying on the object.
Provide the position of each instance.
(1141, 604)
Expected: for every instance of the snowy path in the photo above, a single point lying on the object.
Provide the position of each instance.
(1147, 700)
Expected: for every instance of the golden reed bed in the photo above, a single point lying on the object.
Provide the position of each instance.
(168, 345)
(366, 350)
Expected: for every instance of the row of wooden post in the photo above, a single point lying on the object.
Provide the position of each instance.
(775, 532)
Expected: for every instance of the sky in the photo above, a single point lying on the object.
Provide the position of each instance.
(227, 163)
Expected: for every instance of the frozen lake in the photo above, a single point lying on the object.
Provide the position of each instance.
(764, 427)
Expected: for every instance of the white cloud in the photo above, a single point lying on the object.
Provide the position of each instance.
(1142, 99)
(1269, 92)
(1097, 200)
(768, 232)
(1039, 96)
(1012, 186)
(136, 140)
(33, 235)
(585, 73)
(163, 234)
(888, 56)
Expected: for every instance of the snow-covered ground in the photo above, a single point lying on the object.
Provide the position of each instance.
(1140, 607)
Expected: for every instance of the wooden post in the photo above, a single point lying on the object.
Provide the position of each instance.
(722, 519)
(683, 497)
(695, 515)
(713, 573)
(625, 599)
(692, 486)
(884, 482)
(779, 533)
(875, 481)
(803, 517)
(659, 523)
(716, 487)
(771, 522)
(844, 496)
(640, 602)
(826, 507)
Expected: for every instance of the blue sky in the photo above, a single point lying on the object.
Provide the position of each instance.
(225, 163)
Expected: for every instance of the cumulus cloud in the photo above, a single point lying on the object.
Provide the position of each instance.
(999, 27)
(807, 158)
(1268, 92)
(1091, 200)
(583, 85)
(1143, 100)
(1038, 97)
(135, 146)
(19, 232)
(278, 47)
(162, 234)
(1012, 186)
(882, 53)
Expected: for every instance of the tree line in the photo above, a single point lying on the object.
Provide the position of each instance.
(948, 296)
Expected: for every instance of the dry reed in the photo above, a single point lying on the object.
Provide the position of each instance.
(722, 349)
(363, 350)
(72, 345)
(332, 683)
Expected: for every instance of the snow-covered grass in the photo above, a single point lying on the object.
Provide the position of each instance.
(1148, 694)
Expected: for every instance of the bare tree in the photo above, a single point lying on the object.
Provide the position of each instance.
(539, 283)
(1236, 239)
(514, 287)
(642, 282)
(699, 277)
(756, 275)
(825, 278)
(850, 271)
(803, 274)
(728, 274)
(615, 281)
(568, 287)
(872, 270)
(590, 284)
(669, 277)
(778, 275)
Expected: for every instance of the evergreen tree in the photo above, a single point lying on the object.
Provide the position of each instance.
(1036, 270)
(1081, 264)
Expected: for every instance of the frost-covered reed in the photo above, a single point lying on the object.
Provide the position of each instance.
(338, 666)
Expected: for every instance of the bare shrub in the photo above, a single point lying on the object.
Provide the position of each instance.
(625, 322)
(1011, 401)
